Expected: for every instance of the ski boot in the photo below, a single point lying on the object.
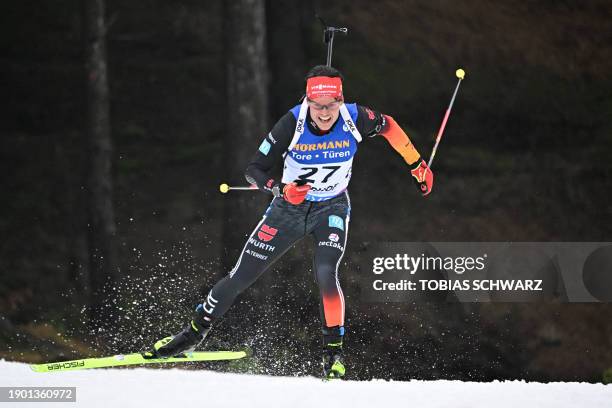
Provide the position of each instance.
(333, 362)
(333, 356)
(185, 341)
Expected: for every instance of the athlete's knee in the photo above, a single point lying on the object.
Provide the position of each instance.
(325, 272)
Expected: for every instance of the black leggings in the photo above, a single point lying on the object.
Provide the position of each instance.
(281, 227)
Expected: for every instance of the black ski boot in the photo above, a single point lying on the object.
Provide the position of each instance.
(185, 341)
(333, 356)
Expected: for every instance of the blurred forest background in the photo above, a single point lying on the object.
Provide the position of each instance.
(121, 119)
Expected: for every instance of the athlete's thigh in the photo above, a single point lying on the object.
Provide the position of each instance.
(331, 228)
(279, 229)
(330, 236)
(330, 242)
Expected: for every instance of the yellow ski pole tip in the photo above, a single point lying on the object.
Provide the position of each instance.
(224, 188)
(460, 73)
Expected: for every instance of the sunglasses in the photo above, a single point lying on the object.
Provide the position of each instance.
(329, 106)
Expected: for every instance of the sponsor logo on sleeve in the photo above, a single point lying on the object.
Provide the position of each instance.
(264, 148)
(371, 114)
(380, 127)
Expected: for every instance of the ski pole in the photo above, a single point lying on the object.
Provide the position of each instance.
(460, 73)
(224, 188)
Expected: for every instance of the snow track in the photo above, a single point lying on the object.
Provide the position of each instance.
(182, 388)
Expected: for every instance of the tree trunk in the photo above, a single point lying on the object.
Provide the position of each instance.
(101, 232)
(290, 51)
(247, 99)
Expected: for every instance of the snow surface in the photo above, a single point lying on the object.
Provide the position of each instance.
(141, 387)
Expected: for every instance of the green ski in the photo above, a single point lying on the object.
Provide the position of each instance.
(134, 359)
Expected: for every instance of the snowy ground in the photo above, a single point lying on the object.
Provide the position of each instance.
(181, 388)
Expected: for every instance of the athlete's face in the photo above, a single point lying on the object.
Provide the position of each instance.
(324, 111)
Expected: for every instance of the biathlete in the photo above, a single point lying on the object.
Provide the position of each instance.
(316, 141)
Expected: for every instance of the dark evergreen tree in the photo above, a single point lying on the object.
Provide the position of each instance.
(101, 223)
(247, 115)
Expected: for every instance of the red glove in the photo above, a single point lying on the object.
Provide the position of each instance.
(424, 177)
(295, 194)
